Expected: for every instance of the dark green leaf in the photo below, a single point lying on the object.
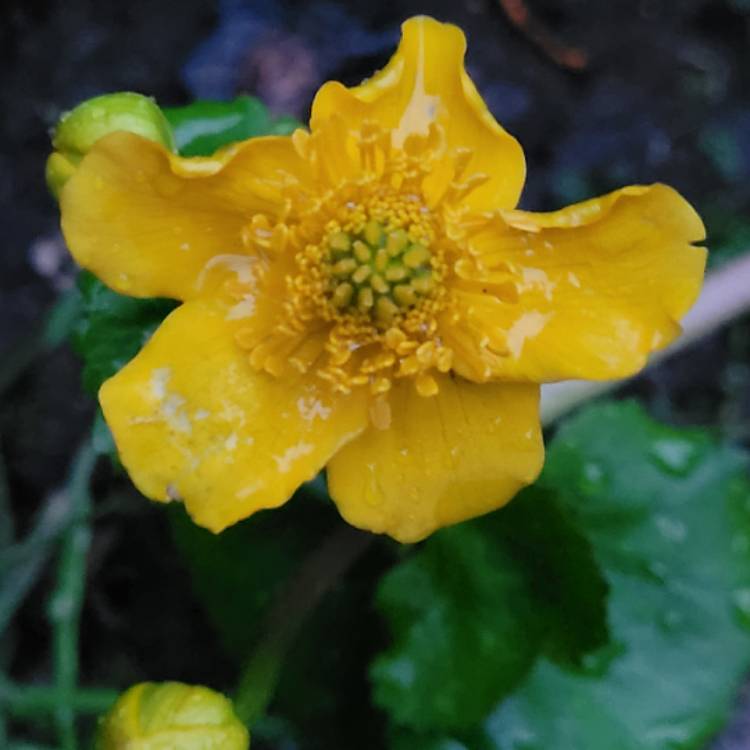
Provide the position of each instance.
(112, 328)
(205, 126)
(236, 573)
(569, 589)
(464, 626)
(472, 609)
(666, 512)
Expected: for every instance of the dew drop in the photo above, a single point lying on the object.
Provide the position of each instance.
(657, 571)
(596, 663)
(670, 621)
(671, 529)
(594, 477)
(674, 455)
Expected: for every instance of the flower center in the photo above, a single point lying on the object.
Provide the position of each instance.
(379, 272)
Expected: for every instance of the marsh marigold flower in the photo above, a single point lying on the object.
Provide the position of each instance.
(365, 296)
(171, 716)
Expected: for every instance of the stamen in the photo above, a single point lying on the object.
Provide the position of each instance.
(373, 283)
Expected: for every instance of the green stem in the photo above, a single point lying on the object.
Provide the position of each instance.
(67, 599)
(299, 597)
(31, 700)
(23, 562)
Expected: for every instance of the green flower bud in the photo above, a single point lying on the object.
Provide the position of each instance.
(79, 129)
(171, 716)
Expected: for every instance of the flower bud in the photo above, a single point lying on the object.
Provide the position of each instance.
(171, 716)
(79, 129)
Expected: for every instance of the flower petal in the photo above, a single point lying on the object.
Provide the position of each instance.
(146, 221)
(424, 83)
(453, 456)
(601, 284)
(192, 419)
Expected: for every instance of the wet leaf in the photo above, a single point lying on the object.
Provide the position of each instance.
(667, 515)
(472, 609)
(112, 328)
(205, 126)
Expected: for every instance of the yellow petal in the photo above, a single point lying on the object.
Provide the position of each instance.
(446, 458)
(424, 83)
(146, 222)
(601, 284)
(192, 420)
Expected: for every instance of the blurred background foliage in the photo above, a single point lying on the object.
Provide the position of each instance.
(608, 606)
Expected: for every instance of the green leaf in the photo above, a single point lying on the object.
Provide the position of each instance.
(475, 606)
(205, 126)
(666, 512)
(569, 590)
(112, 328)
(464, 627)
(236, 574)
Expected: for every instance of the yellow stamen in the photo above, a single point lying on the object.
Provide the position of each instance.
(340, 241)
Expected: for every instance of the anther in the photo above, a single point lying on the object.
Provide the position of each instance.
(339, 241)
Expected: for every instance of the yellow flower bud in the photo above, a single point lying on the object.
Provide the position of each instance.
(171, 716)
(80, 128)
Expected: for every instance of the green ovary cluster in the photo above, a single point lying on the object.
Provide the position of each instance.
(378, 272)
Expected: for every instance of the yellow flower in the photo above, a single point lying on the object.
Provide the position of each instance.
(171, 716)
(365, 296)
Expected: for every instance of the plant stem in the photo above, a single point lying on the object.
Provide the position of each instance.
(23, 562)
(66, 602)
(294, 603)
(725, 296)
(31, 700)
